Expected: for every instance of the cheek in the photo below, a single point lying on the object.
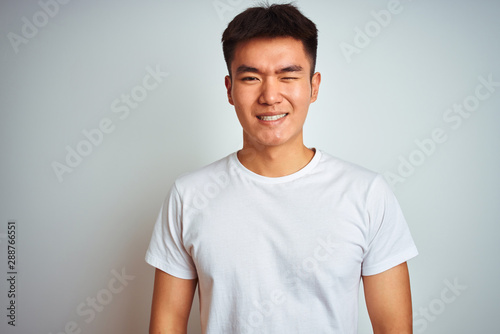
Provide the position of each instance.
(242, 106)
(241, 97)
(300, 96)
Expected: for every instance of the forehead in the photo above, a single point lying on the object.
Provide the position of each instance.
(269, 54)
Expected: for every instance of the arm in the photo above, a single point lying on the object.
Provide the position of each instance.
(388, 300)
(172, 300)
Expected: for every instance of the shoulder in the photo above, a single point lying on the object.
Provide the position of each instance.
(213, 172)
(362, 183)
(346, 172)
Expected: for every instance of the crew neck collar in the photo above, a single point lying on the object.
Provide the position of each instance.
(280, 179)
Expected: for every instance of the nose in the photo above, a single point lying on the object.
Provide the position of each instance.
(270, 92)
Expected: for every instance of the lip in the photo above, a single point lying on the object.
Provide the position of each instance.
(270, 115)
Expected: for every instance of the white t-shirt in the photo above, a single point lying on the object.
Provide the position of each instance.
(284, 254)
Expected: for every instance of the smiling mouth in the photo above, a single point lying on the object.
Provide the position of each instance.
(271, 118)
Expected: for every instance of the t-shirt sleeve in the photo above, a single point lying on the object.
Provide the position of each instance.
(166, 249)
(389, 241)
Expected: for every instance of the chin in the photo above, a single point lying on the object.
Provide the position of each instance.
(273, 142)
(270, 139)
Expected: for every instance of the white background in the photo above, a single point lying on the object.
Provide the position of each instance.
(75, 231)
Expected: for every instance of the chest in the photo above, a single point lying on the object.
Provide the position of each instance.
(269, 235)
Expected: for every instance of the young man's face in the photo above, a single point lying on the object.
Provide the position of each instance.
(271, 90)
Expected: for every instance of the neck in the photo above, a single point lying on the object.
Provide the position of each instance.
(275, 161)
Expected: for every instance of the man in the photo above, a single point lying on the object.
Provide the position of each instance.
(278, 235)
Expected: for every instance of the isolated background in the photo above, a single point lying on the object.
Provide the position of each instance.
(73, 232)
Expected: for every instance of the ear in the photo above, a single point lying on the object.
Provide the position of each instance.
(228, 83)
(315, 81)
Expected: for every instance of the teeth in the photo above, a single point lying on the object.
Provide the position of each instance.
(271, 118)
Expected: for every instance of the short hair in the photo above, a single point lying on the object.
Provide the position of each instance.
(276, 20)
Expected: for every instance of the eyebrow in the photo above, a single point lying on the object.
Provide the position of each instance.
(291, 68)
